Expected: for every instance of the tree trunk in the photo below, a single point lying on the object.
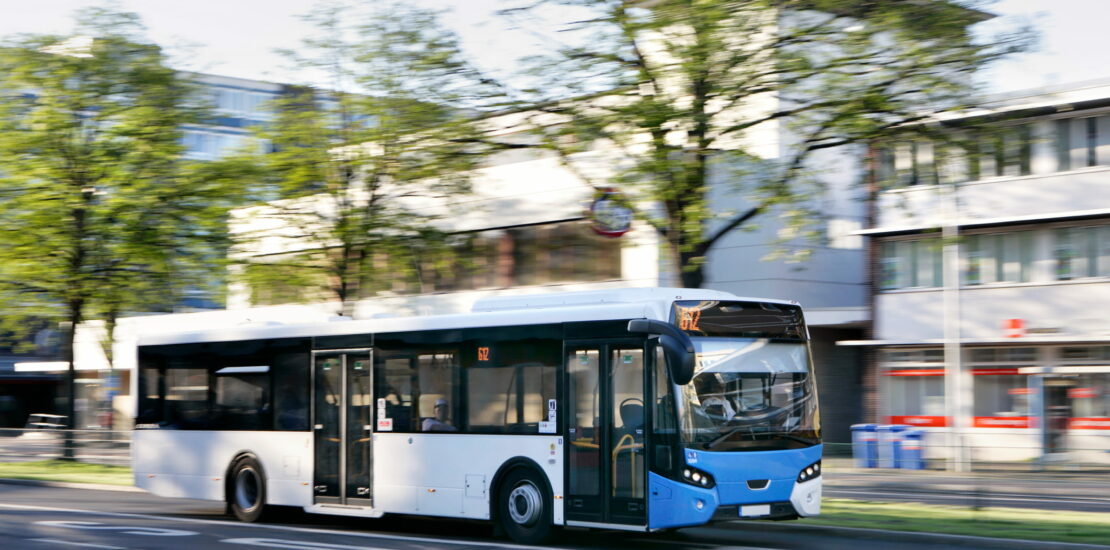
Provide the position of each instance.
(68, 450)
(691, 270)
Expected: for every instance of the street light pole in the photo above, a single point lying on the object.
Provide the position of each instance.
(953, 365)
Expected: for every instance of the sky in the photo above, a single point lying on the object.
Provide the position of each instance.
(238, 37)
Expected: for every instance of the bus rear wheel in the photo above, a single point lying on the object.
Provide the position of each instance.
(247, 490)
(524, 507)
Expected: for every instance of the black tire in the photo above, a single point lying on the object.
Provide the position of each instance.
(246, 490)
(524, 507)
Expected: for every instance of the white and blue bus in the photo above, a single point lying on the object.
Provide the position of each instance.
(633, 409)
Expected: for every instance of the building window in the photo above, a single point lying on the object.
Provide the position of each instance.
(910, 264)
(1005, 152)
(1081, 252)
(1000, 258)
(1063, 145)
(906, 164)
(1092, 141)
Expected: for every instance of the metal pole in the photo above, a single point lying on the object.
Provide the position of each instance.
(953, 375)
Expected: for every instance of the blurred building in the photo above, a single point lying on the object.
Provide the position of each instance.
(238, 105)
(526, 229)
(996, 242)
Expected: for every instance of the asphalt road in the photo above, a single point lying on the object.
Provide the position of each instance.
(34, 517)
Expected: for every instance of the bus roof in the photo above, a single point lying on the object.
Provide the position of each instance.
(531, 309)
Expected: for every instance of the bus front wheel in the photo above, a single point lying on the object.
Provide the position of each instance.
(247, 490)
(524, 507)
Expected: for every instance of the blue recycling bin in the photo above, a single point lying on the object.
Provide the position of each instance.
(865, 448)
(890, 440)
(910, 453)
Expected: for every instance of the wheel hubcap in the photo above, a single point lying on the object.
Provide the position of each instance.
(247, 489)
(525, 503)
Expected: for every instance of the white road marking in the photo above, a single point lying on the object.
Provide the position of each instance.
(687, 544)
(92, 525)
(296, 544)
(81, 544)
(275, 527)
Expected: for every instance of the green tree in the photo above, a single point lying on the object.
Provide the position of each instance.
(363, 166)
(99, 214)
(736, 96)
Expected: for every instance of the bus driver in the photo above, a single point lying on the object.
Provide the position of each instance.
(439, 423)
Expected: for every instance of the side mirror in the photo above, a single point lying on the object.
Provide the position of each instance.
(677, 347)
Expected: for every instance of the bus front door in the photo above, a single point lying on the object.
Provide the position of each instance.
(342, 419)
(606, 473)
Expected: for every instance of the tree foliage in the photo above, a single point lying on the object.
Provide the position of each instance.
(738, 95)
(363, 164)
(99, 214)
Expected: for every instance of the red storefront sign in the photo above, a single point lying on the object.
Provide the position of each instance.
(915, 372)
(1089, 423)
(1002, 422)
(1082, 393)
(920, 421)
(996, 372)
(1013, 328)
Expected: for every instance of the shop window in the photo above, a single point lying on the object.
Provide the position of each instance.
(1001, 395)
(994, 356)
(1085, 353)
(914, 393)
(1090, 397)
(905, 357)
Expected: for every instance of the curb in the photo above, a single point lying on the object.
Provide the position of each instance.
(971, 541)
(68, 485)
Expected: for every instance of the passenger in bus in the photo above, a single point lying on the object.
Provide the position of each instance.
(439, 423)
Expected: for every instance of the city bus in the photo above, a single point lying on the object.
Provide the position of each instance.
(633, 409)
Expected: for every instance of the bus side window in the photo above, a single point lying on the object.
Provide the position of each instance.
(394, 384)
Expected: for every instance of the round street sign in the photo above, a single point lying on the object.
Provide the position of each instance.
(608, 216)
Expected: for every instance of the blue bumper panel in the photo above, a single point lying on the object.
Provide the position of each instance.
(733, 470)
(674, 504)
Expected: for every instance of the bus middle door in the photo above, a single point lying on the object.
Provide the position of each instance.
(606, 433)
(342, 435)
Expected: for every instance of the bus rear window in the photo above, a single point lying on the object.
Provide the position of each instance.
(739, 319)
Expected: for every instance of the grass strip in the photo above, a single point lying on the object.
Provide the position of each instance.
(1009, 523)
(67, 471)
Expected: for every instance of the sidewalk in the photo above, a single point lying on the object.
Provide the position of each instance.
(1093, 484)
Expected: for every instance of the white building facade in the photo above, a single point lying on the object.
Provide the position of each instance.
(991, 274)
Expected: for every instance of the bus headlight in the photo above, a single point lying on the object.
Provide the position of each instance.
(697, 478)
(812, 471)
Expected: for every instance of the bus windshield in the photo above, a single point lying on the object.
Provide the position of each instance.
(750, 395)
